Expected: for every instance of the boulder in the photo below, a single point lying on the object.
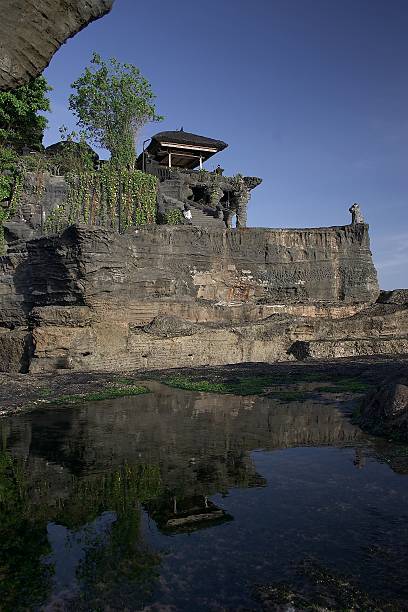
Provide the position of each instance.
(385, 410)
(14, 350)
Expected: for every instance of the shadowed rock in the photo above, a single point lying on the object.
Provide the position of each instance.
(385, 411)
(31, 32)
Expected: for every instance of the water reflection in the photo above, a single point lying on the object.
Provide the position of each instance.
(161, 499)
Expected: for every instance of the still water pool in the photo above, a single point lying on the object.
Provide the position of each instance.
(190, 501)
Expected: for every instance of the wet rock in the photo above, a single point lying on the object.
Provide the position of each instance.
(385, 410)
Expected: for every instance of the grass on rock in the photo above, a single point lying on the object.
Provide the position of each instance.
(95, 396)
(261, 385)
(242, 386)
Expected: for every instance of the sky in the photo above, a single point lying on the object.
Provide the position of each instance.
(310, 95)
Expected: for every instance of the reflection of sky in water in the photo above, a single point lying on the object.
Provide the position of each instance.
(319, 489)
(316, 504)
(68, 548)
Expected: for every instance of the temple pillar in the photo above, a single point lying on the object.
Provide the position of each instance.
(228, 217)
(242, 207)
(215, 196)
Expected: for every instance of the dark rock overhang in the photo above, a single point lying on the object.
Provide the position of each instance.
(31, 31)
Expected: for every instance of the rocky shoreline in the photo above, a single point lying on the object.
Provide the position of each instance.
(21, 391)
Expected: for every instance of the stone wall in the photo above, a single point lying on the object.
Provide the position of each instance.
(40, 196)
(159, 297)
(259, 266)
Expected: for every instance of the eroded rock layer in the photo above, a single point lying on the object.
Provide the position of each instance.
(32, 31)
(164, 296)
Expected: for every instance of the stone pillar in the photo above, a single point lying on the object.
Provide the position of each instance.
(356, 214)
(216, 194)
(242, 207)
(228, 217)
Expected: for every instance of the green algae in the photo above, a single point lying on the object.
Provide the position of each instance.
(95, 396)
(263, 385)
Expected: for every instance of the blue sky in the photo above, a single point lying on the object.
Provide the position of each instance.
(311, 95)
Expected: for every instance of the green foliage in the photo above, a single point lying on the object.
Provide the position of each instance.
(95, 396)
(120, 559)
(174, 216)
(6, 184)
(112, 102)
(71, 155)
(20, 124)
(118, 491)
(261, 385)
(118, 568)
(24, 579)
(110, 197)
(240, 386)
(181, 382)
(8, 171)
(346, 385)
(12, 187)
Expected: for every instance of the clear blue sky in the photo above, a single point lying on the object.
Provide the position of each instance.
(311, 95)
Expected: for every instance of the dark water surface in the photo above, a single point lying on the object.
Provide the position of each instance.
(189, 501)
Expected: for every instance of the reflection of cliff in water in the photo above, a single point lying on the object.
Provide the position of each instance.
(201, 442)
(85, 475)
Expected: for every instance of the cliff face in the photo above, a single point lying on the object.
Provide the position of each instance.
(32, 31)
(158, 297)
(258, 266)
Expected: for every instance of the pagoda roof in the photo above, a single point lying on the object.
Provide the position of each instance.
(186, 138)
(186, 150)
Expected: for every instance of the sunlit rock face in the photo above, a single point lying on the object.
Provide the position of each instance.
(164, 297)
(31, 31)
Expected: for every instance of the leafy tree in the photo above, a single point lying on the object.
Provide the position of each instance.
(112, 102)
(20, 124)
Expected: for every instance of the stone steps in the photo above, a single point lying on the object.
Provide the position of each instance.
(171, 188)
(201, 219)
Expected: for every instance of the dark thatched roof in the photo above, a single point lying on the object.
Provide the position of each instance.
(59, 147)
(185, 138)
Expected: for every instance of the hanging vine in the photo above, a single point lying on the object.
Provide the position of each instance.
(174, 216)
(7, 212)
(110, 197)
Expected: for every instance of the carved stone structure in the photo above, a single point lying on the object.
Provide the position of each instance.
(214, 199)
(356, 214)
(31, 31)
(173, 157)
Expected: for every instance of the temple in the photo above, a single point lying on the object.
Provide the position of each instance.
(181, 149)
(177, 158)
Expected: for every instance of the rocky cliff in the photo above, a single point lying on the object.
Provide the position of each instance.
(164, 296)
(31, 32)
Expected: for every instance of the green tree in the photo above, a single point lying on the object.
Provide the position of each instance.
(20, 123)
(112, 102)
